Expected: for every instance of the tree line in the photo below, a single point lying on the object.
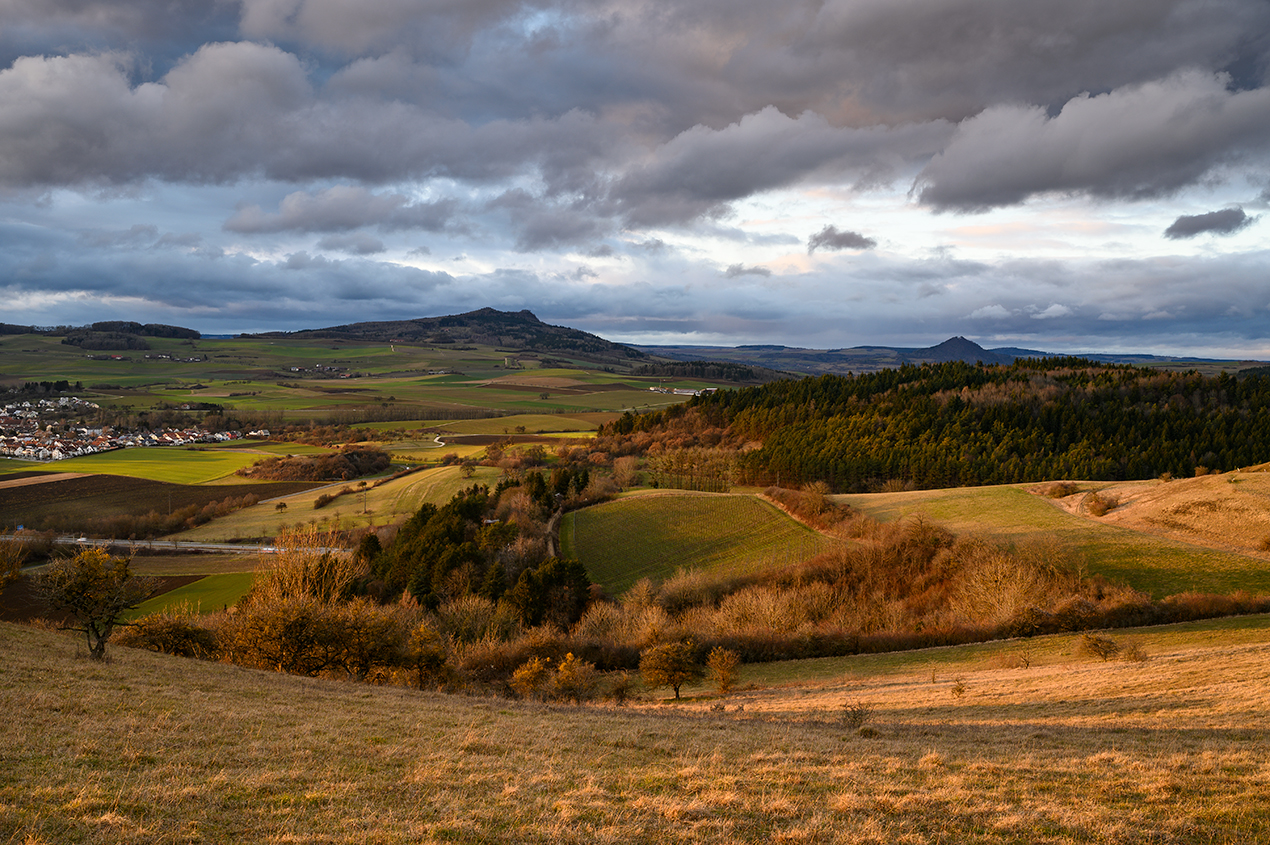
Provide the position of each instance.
(956, 424)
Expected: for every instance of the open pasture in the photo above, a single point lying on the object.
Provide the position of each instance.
(210, 594)
(655, 534)
(1157, 564)
(156, 749)
(390, 502)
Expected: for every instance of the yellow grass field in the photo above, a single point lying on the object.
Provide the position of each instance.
(155, 749)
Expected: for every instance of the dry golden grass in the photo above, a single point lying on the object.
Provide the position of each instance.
(151, 748)
(1230, 511)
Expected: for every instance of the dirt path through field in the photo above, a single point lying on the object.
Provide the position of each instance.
(41, 479)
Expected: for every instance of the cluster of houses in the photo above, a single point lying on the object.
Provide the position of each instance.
(682, 391)
(27, 434)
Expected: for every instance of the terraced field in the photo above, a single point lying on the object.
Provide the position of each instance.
(652, 535)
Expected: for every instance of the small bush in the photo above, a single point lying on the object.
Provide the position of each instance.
(1059, 489)
(1100, 504)
(725, 666)
(170, 633)
(1133, 653)
(621, 684)
(1103, 648)
(575, 680)
(856, 714)
(959, 688)
(528, 680)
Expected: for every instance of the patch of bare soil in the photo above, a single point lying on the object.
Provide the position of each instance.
(1230, 511)
(42, 478)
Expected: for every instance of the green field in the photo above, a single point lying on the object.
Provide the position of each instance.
(175, 465)
(207, 595)
(390, 502)
(1157, 565)
(655, 534)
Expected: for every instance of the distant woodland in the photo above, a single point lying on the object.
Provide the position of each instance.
(956, 424)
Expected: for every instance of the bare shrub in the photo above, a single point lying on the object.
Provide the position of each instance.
(1104, 648)
(725, 667)
(13, 551)
(959, 688)
(1100, 504)
(1059, 489)
(174, 631)
(309, 562)
(691, 588)
(995, 587)
(620, 686)
(471, 617)
(856, 714)
(1133, 653)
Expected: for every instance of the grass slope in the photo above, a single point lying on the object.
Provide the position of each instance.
(207, 595)
(1158, 565)
(653, 535)
(390, 502)
(154, 749)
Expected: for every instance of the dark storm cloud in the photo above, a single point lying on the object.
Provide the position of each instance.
(831, 237)
(1224, 222)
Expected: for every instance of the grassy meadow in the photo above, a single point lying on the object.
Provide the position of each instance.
(391, 501)
(156, 749)
(1158, 565)
(654, 534)
(207, 595)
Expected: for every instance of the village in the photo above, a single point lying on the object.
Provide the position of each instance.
(26, 432)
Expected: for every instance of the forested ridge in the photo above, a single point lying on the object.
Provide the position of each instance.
(955, 424)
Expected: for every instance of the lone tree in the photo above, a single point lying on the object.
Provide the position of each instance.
(96, 590)
(669, 665)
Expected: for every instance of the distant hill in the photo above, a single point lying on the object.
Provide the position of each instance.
(869, 359)
(511, 330)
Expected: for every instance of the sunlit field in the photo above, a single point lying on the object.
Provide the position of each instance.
(1009, 513)
(653, 535)
(151, 748)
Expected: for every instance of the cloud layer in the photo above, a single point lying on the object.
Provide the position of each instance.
(626, 151)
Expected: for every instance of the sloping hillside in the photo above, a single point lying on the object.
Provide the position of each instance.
(1229, 511)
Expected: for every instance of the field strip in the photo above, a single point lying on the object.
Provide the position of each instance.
(42, 479)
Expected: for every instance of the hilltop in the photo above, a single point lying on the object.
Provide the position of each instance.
(512, 330)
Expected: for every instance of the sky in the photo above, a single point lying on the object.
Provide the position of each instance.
(1064, 175)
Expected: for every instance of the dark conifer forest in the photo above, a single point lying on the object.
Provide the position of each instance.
(956, 424)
